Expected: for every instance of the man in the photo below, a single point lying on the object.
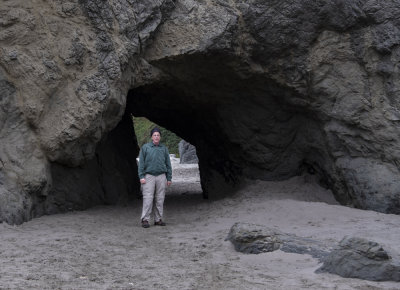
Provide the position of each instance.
(155, 173)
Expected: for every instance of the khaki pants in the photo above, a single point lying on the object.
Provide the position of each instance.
(157, 185)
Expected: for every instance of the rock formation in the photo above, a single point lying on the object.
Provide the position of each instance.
(353, 258)
(363, 259)
(255, 239)
(263, 89)
(187, 153)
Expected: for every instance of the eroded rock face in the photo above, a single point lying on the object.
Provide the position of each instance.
(256, 239)
(263, 89)
(353, 257)
(65, 71)
(362, 259)
(266, 89)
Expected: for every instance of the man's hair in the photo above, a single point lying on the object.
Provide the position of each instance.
(155, 130)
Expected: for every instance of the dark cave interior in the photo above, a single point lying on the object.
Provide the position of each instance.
(242, 127)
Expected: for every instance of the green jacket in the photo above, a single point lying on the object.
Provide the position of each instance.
(154, 160)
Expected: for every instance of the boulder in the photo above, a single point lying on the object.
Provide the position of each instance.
(363, 259)
(187, 153)
(255, 239)
(251, 239)
(353, 257)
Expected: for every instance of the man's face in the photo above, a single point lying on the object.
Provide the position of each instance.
(156, 137)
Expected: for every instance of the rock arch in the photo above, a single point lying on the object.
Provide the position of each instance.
(263, 89)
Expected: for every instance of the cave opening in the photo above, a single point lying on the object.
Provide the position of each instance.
(244, 126)
(183, 157)
(235, 138)
(192, 122)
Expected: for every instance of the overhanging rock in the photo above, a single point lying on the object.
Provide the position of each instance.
(263, 89)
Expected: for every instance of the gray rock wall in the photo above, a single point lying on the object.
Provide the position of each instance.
(284, 86)
(65, 70)
(263, 89)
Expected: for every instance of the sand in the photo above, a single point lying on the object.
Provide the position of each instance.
(106, 248)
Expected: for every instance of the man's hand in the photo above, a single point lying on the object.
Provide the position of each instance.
(169, 183)
(143, 180)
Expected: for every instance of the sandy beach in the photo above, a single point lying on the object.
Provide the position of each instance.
(106, 248)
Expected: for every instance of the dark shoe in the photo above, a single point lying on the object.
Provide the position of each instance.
(145, 224)
(160, 223)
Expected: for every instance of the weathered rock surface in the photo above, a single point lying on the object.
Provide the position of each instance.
(187, 153)
(65, 71)
(250, 239)
(363, 259)
(255, 239)
(352, 258)
(268, 89)
(263, 89)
